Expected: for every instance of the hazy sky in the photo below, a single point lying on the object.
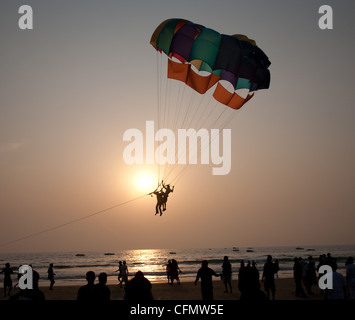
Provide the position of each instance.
(86, 73)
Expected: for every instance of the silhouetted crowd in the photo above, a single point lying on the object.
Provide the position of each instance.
(305, 274)
(139, 288)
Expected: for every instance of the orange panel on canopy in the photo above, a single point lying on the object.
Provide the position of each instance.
(236, 102)
(222, 95)
(200, 83)
(184, 73)
(178, 71)
(232, 100)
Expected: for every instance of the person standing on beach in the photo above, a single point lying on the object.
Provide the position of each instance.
(339, 285)
(242, 277)
(30, 294)
(297, 275)
(51, 275)
(205, 274)
(175, 271)
(169, 268)
(138, 288)
(227, 274)
(7, 271)
(103, 291)
(310, 275)
(124, 273)
(270, 269)
(88, 292)
(119, 274)
(350, 277)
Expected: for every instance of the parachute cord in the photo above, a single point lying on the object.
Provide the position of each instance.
(197, 109)
(70, 222)
(188, 116)
(211, 110)
(178, 177)
(178, 107)
(188, 110)
(182, 173)
(180, 153)
(158, 99)
(171, 167)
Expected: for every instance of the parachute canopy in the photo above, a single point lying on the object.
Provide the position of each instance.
(193, 48)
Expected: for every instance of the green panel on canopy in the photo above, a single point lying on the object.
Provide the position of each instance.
(243, 84)
(203, 66)
(166, 35)
(206, 47)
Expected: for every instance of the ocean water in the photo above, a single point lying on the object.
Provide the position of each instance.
(71, 268)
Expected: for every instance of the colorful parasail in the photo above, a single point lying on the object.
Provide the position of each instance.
(201, 58)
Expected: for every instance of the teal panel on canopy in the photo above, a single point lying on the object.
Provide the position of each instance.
(243, 84)
(206, 47)
(217, 72)
(205, 67)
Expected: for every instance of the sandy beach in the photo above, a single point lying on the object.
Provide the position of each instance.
(285, 290)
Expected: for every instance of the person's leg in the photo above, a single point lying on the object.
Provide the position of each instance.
(267, 290)
(298, 291)
(273, 290)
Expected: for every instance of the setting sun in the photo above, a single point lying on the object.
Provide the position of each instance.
(146, 182)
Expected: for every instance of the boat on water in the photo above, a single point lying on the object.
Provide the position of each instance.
(109, 254)
(80, 255)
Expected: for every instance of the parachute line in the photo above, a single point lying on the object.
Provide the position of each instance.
(70, 222)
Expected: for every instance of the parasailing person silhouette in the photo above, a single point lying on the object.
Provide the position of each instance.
(162, 193)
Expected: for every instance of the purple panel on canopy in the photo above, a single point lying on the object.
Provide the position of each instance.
(184, 40)
(230, 77)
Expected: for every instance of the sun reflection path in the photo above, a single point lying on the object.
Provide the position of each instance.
(150, 261)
